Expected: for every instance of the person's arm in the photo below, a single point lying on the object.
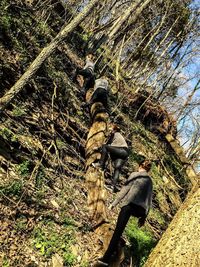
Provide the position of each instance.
(110, 139)
(150, 197)
(120, 195)
(132, 176)
(142, 220)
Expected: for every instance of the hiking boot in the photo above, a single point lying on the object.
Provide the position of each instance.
(100, 263)
(109, 187)
(96, 165)
(115, 189)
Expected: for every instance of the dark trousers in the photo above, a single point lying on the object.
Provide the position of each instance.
(89, 79)
(118, 155)
(124, 215)
(100, 95)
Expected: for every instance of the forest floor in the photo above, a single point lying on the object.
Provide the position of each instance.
(44, 215)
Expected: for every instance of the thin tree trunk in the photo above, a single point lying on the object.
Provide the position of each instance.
(160, 61)
(173, 72)
(137, 6)
(180, 244)
(180, 153)
(134, 7)
(188, 100)
(44, 54)
(145, 68)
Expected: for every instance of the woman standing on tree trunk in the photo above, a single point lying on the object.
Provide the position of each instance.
(119, 152)
(135, 198)
(88, 74)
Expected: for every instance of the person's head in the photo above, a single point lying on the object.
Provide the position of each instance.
(103, 77)
(145, 165)
(90, 57)
(115, 128)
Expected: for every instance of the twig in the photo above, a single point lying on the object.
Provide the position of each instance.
(169, 175)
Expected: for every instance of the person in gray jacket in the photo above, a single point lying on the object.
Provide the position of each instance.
(135, 199)
(88, 74)
(100, 93)
(119, 152)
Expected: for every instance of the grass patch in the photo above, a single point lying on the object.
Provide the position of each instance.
(19, 111)
(49, 239)
(142, 241)
(13, 189)
(24, 168)
(156, 216)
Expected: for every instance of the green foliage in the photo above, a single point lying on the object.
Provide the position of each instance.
(40, 195)
(24, 168)
(20, 224)
(68, 221)
(13, 189)
(135, 157)
(85, 37)
(60, 144)
(156, 216)
(49, 240)
(5, 21)
(40, 177)
(5, 262)
(5, 133)
(141, 240)
(18, 111)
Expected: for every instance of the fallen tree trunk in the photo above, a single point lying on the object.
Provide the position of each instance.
(95, 178)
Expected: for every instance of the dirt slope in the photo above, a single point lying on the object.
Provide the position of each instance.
(43, 200)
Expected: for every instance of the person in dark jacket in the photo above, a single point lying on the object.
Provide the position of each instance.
(100, 93)
(119, 152)
(88, 73)
(135, 199)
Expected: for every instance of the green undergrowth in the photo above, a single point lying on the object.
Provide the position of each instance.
(12, 189)
(19, 111)
(24, 36)
(156, 216)
(7, 134)
(49, 238)
(141, 241)
(24, 168)
(171, 162)
(5, 262)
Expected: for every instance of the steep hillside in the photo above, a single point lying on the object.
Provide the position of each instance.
(43, 198)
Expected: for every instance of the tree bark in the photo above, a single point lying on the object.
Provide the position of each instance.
(95, 178)
(44, 54)
(180, 153)
(180, 244)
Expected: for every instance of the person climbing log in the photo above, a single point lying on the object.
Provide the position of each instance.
(100, 93)
(119, 152)
(88, 74)
(135, 198)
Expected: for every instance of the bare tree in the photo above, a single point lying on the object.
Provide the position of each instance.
(44, 54)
